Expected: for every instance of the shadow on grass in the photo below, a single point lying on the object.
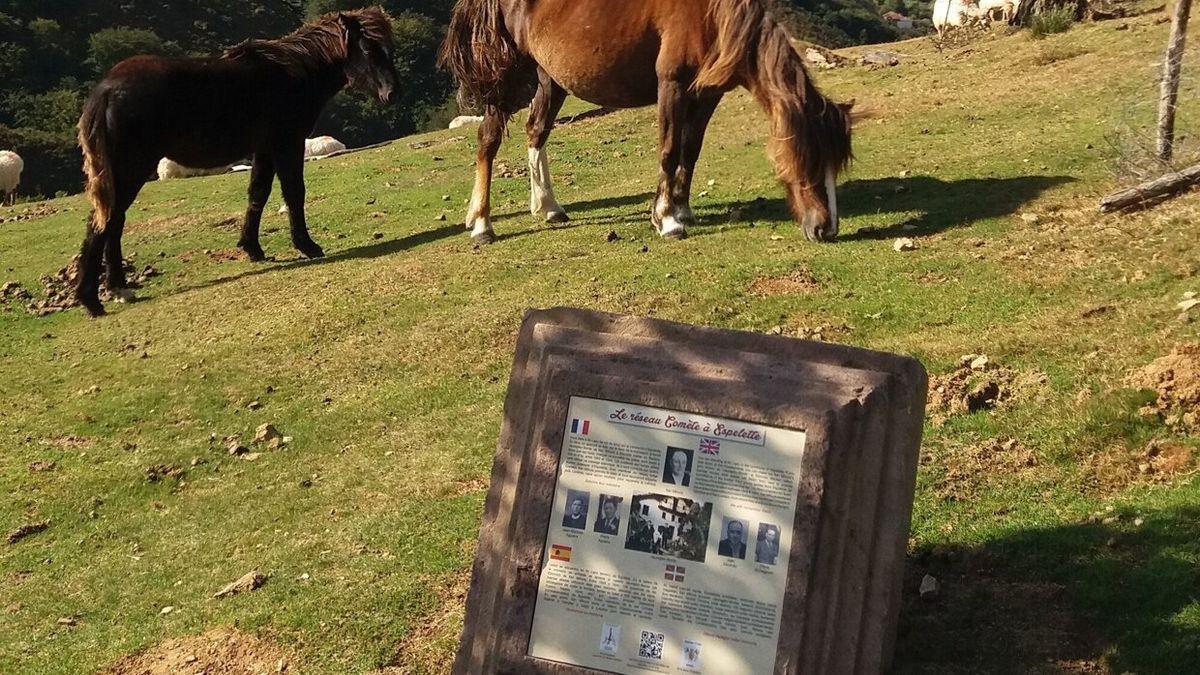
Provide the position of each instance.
(1087, 598)
(580, 215)
(369, 252)
(940, 205)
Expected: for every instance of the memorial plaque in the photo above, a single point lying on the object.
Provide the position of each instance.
(642, 466)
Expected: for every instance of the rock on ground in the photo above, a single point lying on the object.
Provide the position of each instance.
(252, 580)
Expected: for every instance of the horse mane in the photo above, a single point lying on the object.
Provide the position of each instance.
(317, 43)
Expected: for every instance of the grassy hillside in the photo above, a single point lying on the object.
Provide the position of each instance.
(1061, 541)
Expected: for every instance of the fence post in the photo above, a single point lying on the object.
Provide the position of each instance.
(1169, 97)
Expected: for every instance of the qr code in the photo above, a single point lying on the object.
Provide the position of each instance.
(652, 645)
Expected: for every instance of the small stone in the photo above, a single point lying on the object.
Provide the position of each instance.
(980, 363)
(904, 244)
(1030, 218)
(250, 581)
(929, 587)
(266, 433)
(445, 198)
(281, 665)
(613, 236)
(166, 610)
(441, 218)
(1188, 304)
(237, 449)
(68, 621)
(252, 456)
(254, 405)
(1138, 522)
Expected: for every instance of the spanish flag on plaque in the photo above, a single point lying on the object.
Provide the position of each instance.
(581, 427)
(560, 553)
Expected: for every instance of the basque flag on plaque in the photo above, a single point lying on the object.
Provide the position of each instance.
(581, 427)
(674, 573)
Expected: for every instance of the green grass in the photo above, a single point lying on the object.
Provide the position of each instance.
(387, 363)
(1052, 21)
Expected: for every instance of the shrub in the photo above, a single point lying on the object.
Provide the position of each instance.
(52, 160)
(1057, 20)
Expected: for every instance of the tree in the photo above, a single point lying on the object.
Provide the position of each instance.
(110, 46)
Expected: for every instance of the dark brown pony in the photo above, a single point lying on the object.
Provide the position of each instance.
(683, 54)
(261, 99)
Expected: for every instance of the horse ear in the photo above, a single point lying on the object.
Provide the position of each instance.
(350, 27)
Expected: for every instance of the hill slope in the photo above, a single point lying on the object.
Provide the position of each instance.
(386, 363)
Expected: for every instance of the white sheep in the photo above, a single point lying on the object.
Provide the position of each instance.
(169, 169)
(464, 120)
(322, 146)
(954, 13)
(1007, 9)
(11, 167)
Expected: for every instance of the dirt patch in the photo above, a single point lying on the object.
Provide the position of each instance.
(26, 530)
(225, 651)
(429, 647)
(36, 213)
(797, 282)
(977, 385)
(59, 289)
(968, 469)
(1176, 379)
(1118, 467)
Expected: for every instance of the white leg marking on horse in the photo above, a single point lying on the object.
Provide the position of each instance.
(541, 188)
(124, 295)
(668, 221)
(831, 191)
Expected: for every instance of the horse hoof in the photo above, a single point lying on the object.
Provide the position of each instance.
(93, 308)
(311, 251)
(669, 228)
(484, 238)
(255, 254)
(557, 217)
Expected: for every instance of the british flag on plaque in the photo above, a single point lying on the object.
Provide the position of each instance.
(709, 446)
(674, 573)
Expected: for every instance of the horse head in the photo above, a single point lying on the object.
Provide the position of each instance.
(370, 68)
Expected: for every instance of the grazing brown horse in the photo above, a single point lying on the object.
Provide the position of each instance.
(261, 98)
(683, 54)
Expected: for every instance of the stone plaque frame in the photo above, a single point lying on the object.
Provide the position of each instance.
(869, 409)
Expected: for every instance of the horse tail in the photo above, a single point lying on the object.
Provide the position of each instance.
(810, 134)
(479, 51)
(93, 138)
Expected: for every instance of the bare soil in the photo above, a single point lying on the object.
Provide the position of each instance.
(224, 651)
(1176, 379)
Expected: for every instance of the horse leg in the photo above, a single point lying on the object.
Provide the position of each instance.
(289, 164)
(700, 112)
(546, 105)
(479, 214)
(127, 184)
(672, 118)
(262, 175)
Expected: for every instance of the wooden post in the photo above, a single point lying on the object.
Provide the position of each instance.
(1169, 97)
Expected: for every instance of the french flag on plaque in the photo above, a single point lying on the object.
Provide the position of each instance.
(581, 427)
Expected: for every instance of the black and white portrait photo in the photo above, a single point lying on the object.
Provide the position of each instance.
(733, 538)
(766, 548)
(608, 521)
(678, 467)
(577, 510)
